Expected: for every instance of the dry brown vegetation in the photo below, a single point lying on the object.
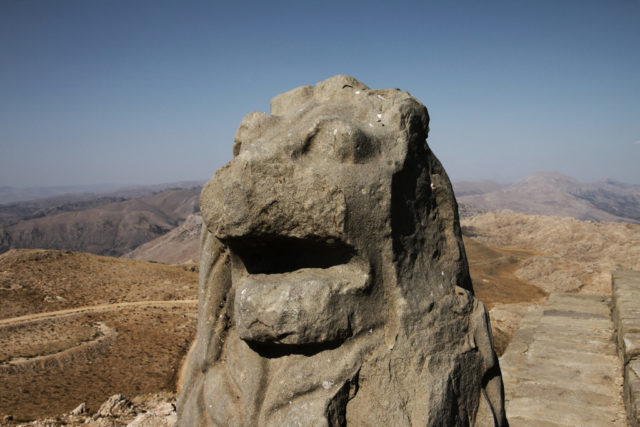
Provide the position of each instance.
(78, 328)
(37, 281)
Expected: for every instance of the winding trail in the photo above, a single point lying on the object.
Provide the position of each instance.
(91, 309)
(82, 350)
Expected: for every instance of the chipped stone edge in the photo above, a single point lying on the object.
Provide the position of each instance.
(625, 285)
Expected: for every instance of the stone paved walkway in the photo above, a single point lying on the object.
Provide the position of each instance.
(562, 369)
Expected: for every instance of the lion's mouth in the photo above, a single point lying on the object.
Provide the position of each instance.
(296, 292)
(280, 255)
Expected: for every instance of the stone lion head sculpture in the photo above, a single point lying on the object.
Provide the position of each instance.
(334, 286)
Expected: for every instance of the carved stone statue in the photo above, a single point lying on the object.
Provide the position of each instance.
(334, 285)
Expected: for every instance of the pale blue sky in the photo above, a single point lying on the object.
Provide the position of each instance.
(147, 91)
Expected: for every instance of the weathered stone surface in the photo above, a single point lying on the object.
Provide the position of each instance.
(561, 368)
(626, 316)
(81, 409)
(116, 406)
(163, 415)
(334, 286)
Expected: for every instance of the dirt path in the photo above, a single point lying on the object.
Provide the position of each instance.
(80, 351)
(91, 308)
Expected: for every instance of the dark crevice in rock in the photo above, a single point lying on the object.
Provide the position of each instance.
(279, 254)
(272, 351)
(337, 408)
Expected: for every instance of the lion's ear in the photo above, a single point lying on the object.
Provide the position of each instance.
(251, 129)
(413, 118)
(288, 101)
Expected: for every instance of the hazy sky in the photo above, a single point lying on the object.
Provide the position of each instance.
(147, 91)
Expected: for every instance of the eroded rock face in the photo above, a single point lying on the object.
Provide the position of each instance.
(334, 286)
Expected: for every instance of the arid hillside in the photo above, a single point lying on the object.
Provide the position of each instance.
(569, 255)
(182, 244)
(79, 328)
(107, 229)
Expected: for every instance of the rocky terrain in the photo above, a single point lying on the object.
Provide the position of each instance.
(79, 328)
(554, 194)
(493, 271)
(515, 261)
(555, 254)
(568, 255)
(146, 410)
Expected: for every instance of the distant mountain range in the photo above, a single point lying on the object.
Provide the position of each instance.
(472, 188)
(76, 199)
(111, 223)
(548, 193)
(10, 194)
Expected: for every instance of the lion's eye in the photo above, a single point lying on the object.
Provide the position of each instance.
(352, 145)
(341, 141)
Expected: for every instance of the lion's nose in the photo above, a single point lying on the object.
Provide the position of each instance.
(258, 199)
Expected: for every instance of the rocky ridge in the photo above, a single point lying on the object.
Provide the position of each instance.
(106, 229)
(555, 194)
